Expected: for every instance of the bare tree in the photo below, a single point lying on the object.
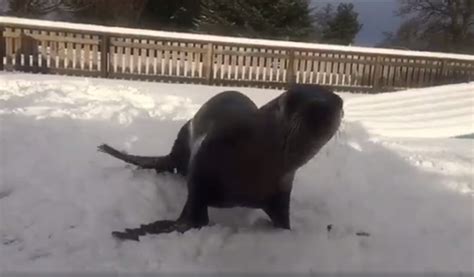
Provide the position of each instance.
(446, 25)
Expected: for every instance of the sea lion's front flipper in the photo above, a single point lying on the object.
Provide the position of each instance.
(278, 209)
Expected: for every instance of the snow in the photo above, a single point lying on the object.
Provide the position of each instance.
(223, 39)
(60, 198)
(443, 111)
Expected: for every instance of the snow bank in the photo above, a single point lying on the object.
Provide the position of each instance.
(59, 198)
(236, 40)
(444, 111)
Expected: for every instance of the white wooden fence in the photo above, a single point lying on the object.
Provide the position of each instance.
(85, 50)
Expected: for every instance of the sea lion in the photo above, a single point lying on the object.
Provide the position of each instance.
(235, 154)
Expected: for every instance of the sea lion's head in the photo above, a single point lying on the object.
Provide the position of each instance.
(311, 115)
(314, 108)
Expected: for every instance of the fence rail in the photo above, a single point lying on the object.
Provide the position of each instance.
(32, 47)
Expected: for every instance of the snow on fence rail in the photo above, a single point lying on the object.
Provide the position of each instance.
(88, 50)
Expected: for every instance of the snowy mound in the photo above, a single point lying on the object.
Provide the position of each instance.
(394, 205)
(444, 111)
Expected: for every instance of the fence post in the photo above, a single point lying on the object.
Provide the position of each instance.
(290, 71)
(377, 73)
(470, 73)
(209, 61)
(443, 72)
(104, 57)
(2, 47)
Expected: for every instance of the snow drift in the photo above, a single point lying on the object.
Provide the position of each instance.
(443, 111)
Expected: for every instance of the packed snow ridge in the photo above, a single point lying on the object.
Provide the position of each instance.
(400, 170)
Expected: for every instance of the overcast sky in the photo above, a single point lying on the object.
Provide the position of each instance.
(376, 15)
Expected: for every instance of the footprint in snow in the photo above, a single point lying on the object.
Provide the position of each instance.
(38, 254)
(5, 193)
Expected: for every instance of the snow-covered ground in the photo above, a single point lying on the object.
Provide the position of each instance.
(395, 171)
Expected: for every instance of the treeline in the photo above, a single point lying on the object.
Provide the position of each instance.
(295, 20)
(430, 25)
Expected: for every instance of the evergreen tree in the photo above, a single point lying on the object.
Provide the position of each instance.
(170, 15)
(283, 19)
(31, 8)
(278, 19)
(339, 27)
(107, 12)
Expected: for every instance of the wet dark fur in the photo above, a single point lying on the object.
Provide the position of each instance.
(248, 156)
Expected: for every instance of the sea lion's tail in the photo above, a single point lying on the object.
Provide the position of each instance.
(160, 163)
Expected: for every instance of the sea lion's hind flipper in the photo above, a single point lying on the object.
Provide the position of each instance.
(157, 227)
(193, 215)
(160, 164)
